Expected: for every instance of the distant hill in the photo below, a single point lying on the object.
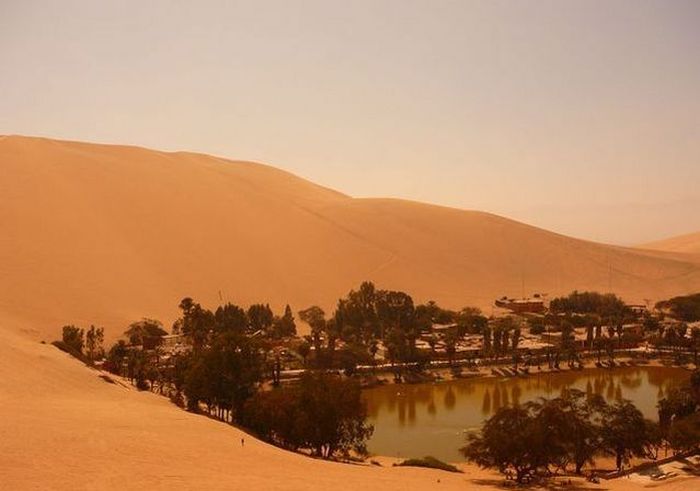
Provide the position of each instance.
(687, 244)
(106, 234)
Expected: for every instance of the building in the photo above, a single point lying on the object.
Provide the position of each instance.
(534, 305)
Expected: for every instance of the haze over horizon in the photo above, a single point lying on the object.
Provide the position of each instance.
(578, 117)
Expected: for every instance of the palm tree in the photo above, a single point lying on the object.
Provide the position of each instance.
(450, 345)
(695, 343)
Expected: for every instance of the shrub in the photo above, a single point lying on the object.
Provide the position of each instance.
(71, 351)
(430, 462)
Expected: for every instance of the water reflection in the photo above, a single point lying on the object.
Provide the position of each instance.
(486, 406)
(430, 419)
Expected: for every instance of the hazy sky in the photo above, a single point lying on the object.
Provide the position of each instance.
(580, 117)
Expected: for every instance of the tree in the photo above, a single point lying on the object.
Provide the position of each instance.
(626, 434)
(137, 367)
(395, 310)
(315, 317)
(516, 338)
(74, 338)
(304, 349)
(450, 345)
(695, 343)
(224, 375)
(141, 330)
(431, 313)
(678, 404)
(509, 441)
(332, 331)
(335, 413)
(571, 425)
(568, 342)
(679, 415)
(497, 340)
(260, 317)
(487, 340)
(285, 326)
(94, 337)
(196, 323)
(537, 325)
(684, 308)
(605, 305)
(684, 433)
(230, 318)
(470, 320)
(589, 336)
(116, 357)
(324, 413)
(357, 314)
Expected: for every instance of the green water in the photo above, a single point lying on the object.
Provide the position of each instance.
(430, 419)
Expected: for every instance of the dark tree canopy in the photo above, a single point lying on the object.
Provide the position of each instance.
(138, 331)
(260, 317)
(511, 442)
(285, 326)
(224, 374)
(324, 414)
(606, 305)
(685, 308)
(626, 434)
(524, 441)
(230, 318)
(94, 337)
(196, 323)
(74, 338)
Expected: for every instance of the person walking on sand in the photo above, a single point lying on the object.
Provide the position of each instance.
(242, 442)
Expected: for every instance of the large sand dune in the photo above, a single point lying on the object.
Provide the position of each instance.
(685, 244)
(106, 234)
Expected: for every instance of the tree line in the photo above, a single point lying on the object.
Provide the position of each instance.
(224, 375)
(233, 359)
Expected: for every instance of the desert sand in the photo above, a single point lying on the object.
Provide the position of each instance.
(685, 244)
(106, 234)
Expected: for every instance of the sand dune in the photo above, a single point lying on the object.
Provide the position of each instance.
(686, 244)
(106, 234)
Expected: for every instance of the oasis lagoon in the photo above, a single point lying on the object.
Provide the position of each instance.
(434, 419)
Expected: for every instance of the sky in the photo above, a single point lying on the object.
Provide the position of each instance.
(581, 117)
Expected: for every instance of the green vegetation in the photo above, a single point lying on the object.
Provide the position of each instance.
(74, 338)
(430, 462)
(323, 414)
(684, 308)
(679, 416)
(145, 330)
(602, 304)
(83, 345)
(223, 370)
(527, 441)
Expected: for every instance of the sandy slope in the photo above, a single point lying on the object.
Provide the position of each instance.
(106, 234)
(687, 244)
